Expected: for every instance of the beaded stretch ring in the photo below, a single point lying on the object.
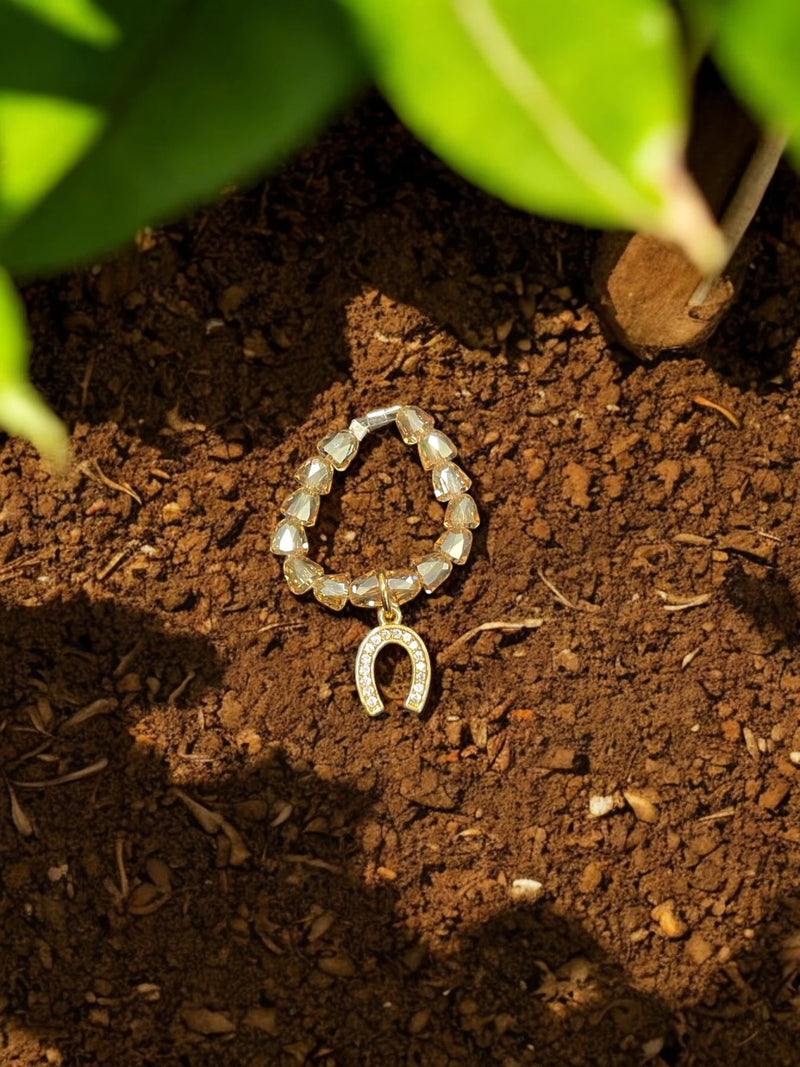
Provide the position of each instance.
(384, 590)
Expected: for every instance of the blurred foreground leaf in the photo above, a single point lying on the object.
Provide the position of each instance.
(195, 95)
(758, 49)
(22, 410)
(574, 109)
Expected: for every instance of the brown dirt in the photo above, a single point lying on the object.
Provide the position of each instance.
(373, 921)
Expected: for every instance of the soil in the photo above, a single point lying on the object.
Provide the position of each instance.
(358, 892)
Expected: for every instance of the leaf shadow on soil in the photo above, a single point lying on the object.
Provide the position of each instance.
(294, 938)
(239, 320)
(302, 949)
(768, 601)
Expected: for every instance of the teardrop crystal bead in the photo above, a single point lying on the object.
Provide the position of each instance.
(340, 447)
(448, 481)
(462, 513)
(365, 592)
(413, 423)
(455, 544)
(302, 505)
(433, 570)
(289, 537)
(332, 590)
(300, 573)
(435, 448)
(316, 474)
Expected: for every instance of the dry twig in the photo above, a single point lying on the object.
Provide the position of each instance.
(508, 626)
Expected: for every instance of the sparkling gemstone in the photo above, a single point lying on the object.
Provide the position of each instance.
(433, 570)
(462, 513)
(456, 544)
(300, 572)
(359, 428)
(331, 590)
(365, 592)
(316, 474)
(340, 446)
(289, 537)
(413, 424)
(302, 505)
(448, 481)
(435, 448)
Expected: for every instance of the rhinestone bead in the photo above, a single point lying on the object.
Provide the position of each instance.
(462, 513)
(302, 505)
(331, 590)
(365, 592)
(413, 424)
(300, 572)
(448, 481)
(340, 446)
(316, 474)
(433, 570)
(456, 544)
(289, 537)
(435, 448)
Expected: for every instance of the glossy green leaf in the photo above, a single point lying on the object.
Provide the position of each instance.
(759, 50)
(83, 19)
(574, 108)
(219, 92)
(40, 138)
(22, 410)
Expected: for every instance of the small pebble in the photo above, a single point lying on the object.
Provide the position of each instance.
(671, 924)
(600, 806)
(204, 1021)
(525, 889)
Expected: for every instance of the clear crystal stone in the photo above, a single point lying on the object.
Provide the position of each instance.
(435, 448)
(462, 513)
(456, 544)
(300, 573)
(302, 505)
(413, 424)
(365, 592)
(340, 446)
(359, 428)
(433, 570)
(448, 481)
(331, 590)
(316, 474)
(289, 537)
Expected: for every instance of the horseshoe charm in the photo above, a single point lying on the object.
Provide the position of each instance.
(390, 631)
(392, 634)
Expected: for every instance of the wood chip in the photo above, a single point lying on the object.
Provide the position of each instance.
(204, 1021)
(642, 807)
(337, 966)
(265, 1019)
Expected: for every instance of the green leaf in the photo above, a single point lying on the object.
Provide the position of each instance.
(22, 410)
(574, 108)
(202, 94)
(759, 50)
(82, 19)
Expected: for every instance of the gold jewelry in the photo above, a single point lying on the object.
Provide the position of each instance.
(384, 590)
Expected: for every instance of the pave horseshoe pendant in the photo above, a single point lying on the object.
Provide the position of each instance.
(390, 631)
